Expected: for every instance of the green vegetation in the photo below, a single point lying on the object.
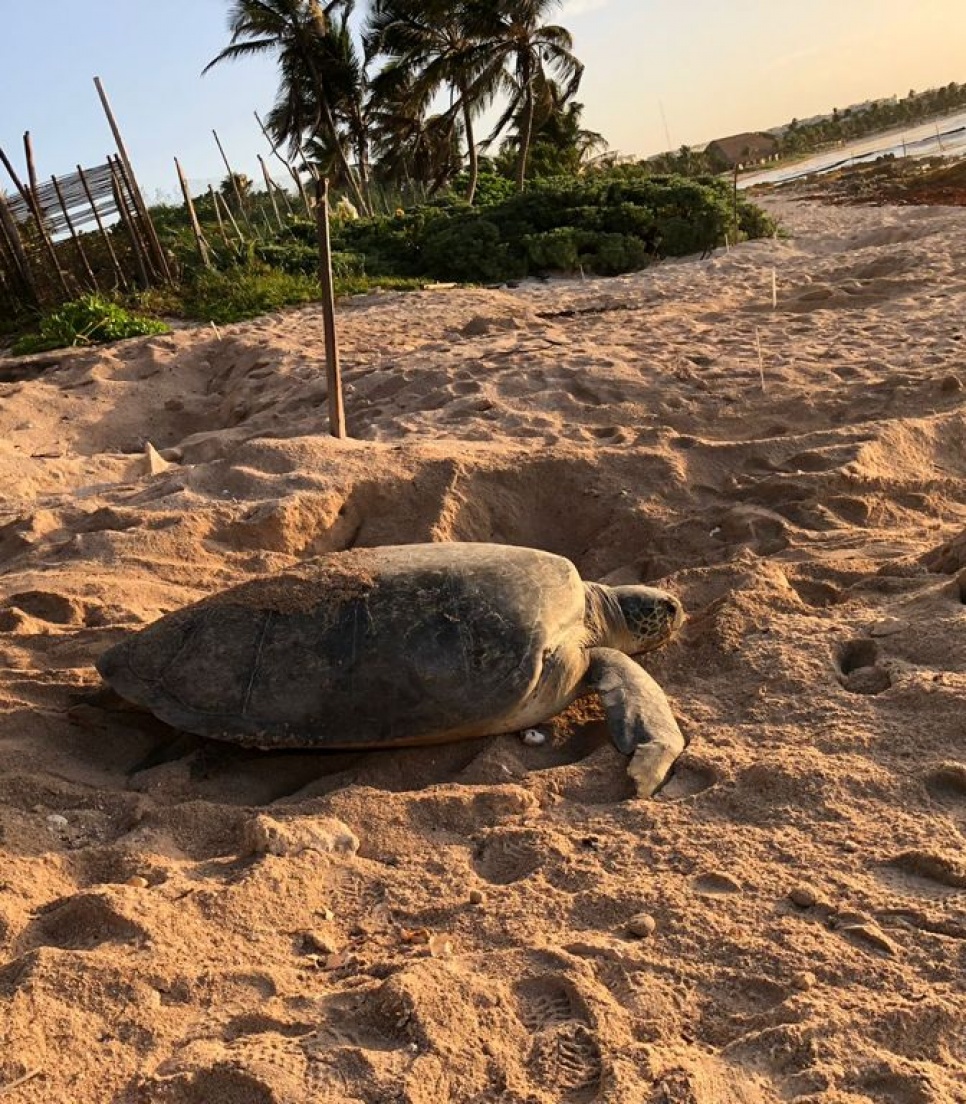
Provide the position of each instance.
(364, 111)
(601, 223)
(241, 292)
(879, 115)
(358, 101)
(604, 225)
(90, 320)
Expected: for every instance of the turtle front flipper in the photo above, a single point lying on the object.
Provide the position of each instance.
(638, 715)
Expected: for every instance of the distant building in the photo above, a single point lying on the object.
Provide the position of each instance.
(742, 150)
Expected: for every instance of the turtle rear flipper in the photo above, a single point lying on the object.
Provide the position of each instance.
(638, 715)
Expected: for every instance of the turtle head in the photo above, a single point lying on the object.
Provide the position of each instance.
(651, 616)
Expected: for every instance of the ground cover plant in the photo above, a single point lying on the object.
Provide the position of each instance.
(89, 320)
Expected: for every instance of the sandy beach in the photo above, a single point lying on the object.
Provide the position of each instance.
(184, 921)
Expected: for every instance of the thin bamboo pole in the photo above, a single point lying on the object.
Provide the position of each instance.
(140, 224)
(234, 183)
(295, 176)
(284, 194)
(271, 195)
(11, 235)
(73, 233)
(221, 222)
(28, 150)
(332, 369)
(140, 206)
(122, 277)
(219, 198)
(136, 244)
(34, 207)
(193, 216)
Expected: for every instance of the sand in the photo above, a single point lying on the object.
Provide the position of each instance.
(182, 921)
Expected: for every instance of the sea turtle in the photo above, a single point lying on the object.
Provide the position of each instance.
(408, 644)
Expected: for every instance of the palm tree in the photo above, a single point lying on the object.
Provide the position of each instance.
(559, 145)
(411, 147)
(430, 46)
(299, 33)
(533, 56)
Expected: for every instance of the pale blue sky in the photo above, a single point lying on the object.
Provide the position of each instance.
(714, 68)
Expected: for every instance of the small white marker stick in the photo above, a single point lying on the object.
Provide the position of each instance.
(761, 359)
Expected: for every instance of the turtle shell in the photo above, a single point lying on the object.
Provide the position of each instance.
(393, 645)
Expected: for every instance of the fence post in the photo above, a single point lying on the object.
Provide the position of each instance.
(193, 216)
(140, 207)
(11, 237)
(333, 371)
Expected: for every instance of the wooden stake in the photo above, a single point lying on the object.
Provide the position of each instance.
(219, 198)
(761, 359)
(34, 207)
(333, 371)
(136, 244)
(28, 150)
(73, 233)
(736, 203)
(141, 222)
(284, 197)
(140, 206)
(774, 290)
(295, 176)
(221, 224)
(193, 216)
(271, 194)
(234, 183)
(11, 236)
(122, 277)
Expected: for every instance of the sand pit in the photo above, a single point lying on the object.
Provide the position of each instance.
(185, 921)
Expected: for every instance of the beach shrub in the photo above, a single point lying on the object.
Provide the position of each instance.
(553, 250)
(296, 257)
(612, 254)
(90, 320)
(467, 249)
(605, 224)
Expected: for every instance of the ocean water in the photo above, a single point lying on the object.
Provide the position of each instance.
(941, 138)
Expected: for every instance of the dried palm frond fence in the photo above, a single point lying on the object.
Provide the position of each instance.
(89, 230)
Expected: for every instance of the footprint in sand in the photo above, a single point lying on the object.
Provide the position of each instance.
(946, 784)
(859, 670)
(508, 855)
(565, 1055)
(932, 867)
(225, 1080)
(691, 776)
(83, 922)
(57, 609)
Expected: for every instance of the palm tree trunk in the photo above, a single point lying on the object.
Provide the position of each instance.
(470, 145)
(362, 152)
(525, 135)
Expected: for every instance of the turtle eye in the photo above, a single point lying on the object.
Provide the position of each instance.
(671, 607)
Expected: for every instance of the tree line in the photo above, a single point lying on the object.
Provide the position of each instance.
(396, 97)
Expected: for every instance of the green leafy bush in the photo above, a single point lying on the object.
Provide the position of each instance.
(90, 320)
(466, 248)
(605, 224)
(553, 250)
(296, 257)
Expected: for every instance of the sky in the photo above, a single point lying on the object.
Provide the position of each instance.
(659, 74)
